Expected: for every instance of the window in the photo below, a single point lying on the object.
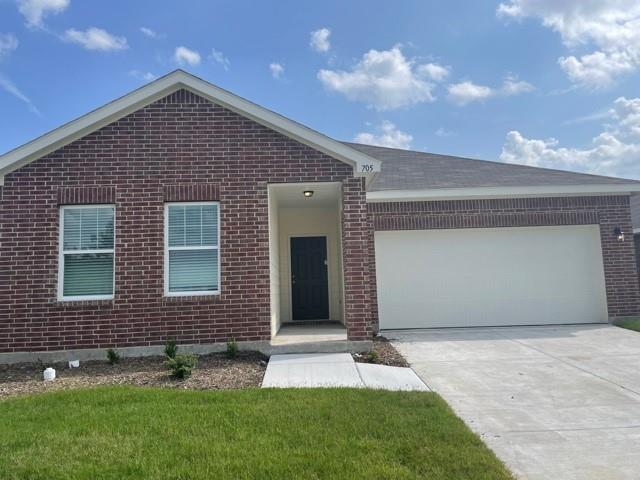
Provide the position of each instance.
(192, 254)
(86, 252)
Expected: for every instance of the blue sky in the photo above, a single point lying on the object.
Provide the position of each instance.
(539, 82)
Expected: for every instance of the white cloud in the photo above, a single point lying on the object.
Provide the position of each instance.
(320, 40)
(9, 87)
(8, 43)
(598, 69)
(150, 33)
(384, 80)
(147, 76)
(513, 86)
(615, 151)
(600, 115)
(34, 11)
(466, 92)
(96, 39)
(611, 27)
(277, 70)
(388, 136)
(433, 71)
(220, 58)
(185, 56)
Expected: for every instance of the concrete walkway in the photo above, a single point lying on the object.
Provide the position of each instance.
(336, 370)
(552, 402)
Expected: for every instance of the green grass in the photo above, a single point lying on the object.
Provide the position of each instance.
(128, 432)
(629, 323)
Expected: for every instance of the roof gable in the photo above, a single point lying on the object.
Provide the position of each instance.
(363, 164)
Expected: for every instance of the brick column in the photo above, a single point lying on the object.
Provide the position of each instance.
(373, 281)
(619, 258)
(356, 241)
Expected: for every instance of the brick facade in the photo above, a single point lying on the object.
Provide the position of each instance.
(179, 148)
(621, 276)
(636, 239)
(184, 148)
(356, 237)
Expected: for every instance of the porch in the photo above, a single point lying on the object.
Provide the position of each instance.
(305, 247)
(298, 333)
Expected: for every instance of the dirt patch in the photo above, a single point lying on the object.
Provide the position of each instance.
(384, 353)
(214, 372)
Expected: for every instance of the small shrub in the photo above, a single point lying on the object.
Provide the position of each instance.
(112, 356)
(372, 356)
(232, 348)
(181, 366)
(171, 349)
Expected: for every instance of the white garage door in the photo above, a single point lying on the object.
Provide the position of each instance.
(487, 277)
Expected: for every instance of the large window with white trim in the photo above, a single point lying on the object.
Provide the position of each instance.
(192, 253)
(87, 255)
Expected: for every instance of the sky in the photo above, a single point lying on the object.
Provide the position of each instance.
(550, 83)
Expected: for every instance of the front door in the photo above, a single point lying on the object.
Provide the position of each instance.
(309, 280)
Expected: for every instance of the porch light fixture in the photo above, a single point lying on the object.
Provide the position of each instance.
(308, 193)
(619, 234)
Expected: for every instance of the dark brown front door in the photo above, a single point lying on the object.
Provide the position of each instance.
(309, 280)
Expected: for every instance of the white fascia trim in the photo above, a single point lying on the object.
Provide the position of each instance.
(363, 164)
(500, 192)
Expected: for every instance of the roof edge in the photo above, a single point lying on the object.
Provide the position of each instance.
(363, 164)
(493, 162)
(500, 192)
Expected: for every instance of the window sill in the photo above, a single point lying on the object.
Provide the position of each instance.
(84, 302)
(209, 297)
(198, 293)
(96, 298)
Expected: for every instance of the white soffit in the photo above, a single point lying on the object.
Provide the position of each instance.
(363, 164)
(500, 192)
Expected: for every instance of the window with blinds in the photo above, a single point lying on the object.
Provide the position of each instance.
(86, 252)
(192, 254)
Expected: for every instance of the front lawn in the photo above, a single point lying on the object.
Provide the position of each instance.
(130, 432)
(629, 323)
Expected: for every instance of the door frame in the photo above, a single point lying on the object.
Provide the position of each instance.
(290, 273)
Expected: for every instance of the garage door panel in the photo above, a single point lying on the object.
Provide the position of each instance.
(485, 277)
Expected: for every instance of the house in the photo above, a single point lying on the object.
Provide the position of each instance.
(183, 211)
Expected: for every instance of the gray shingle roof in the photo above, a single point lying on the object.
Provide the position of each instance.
(409, 170)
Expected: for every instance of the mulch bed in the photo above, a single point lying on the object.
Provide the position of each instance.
(214, 372)
(385, 354)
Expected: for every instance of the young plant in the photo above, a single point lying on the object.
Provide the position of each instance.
(181, 366)
(113, 356)
(372, 356)
(232, 348)
(170, 349)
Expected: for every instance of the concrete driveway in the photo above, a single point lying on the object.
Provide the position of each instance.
(552, 402)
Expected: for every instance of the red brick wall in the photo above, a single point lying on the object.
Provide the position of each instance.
(356, 238)
(179, 148)
(636, 239)
(621, 277)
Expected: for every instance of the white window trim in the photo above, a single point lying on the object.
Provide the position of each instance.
(191, 293)
(62, 252)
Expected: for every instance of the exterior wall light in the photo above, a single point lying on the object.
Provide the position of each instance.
(308, 193)
(619, 234)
